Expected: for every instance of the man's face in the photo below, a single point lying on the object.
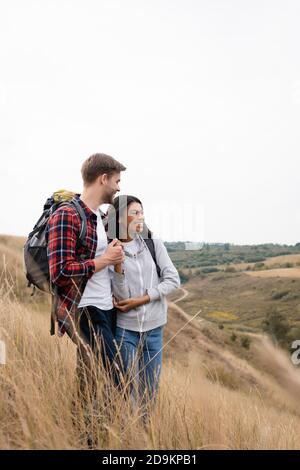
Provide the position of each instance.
(111, 185)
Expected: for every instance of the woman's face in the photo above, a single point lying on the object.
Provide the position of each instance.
(135, 218)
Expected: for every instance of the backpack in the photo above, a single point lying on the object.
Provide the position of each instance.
(35, 249)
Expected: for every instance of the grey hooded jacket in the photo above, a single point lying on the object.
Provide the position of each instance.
(140, 278)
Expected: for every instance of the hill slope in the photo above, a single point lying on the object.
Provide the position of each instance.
(214, 393)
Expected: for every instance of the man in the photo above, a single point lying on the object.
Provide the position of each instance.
(84, 307)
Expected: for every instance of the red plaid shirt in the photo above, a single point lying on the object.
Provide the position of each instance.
(69, 272)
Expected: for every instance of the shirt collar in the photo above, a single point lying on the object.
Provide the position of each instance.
(88, 212)
(141, 245)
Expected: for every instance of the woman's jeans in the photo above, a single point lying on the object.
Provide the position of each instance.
(141, 353)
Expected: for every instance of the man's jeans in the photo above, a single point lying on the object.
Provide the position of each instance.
(97, 327)
(142, 360)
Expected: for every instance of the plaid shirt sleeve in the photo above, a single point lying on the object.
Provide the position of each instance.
(63, 232)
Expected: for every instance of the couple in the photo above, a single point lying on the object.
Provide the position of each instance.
(112, 287)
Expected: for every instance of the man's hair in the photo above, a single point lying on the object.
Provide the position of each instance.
(97, 165)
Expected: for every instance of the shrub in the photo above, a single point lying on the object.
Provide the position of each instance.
(222, 376)
(245, 342)
(183, 277)
(258, 266)
(210, 270)
(277, 295)
(277, 326)
(230, 269)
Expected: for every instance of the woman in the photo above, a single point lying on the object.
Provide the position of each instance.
(140, 296)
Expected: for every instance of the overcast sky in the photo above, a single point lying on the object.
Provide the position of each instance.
(200, 100)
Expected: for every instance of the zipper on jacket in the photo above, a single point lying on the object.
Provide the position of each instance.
(142, 290)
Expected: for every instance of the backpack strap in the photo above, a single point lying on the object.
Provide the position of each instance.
(82, 235)
(82, 215)
(150, 244)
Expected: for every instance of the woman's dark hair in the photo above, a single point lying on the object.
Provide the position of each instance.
(116, 210)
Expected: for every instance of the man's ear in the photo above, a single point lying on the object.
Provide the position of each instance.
(103, 179)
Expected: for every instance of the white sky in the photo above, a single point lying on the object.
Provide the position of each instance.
(199, 99)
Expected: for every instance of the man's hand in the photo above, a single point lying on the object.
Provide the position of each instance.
(119, 243)
(133, 302)
(113, 254)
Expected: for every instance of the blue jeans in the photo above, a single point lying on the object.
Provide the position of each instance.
(97, 327)
(141, 354)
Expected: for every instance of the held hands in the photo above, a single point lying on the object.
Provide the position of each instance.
(126, 305)
(131, 303)
(113, 255)
(114, 252)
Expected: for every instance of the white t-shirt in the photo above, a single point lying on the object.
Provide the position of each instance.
(97, 291)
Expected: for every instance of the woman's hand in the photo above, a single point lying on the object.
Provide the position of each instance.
(129, 304)
(118, 268)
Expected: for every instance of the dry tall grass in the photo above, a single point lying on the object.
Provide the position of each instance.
(201, 404)
(39, 408)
